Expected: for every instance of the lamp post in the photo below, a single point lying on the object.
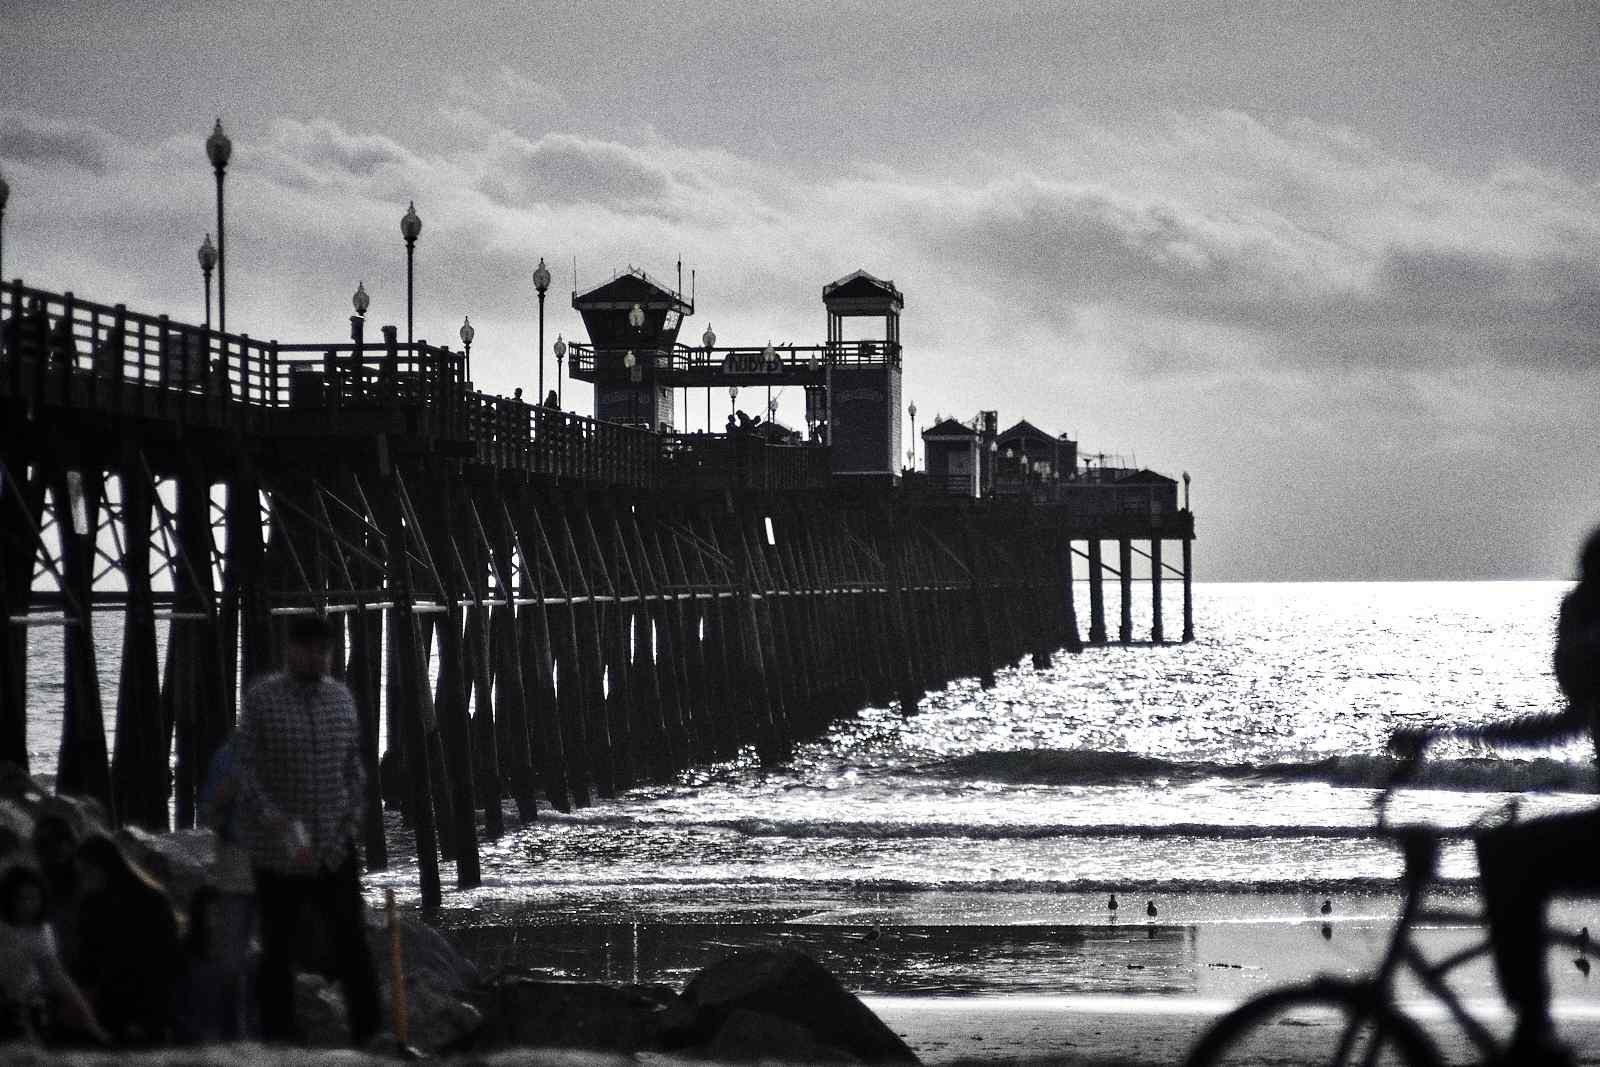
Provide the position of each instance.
(561, 354)
(733, 397)
(208, 262)
(467, 333)
(361, 301)
(709, 339)
(219, 150)
(410, 227)
(1185, 490)
(541, 282)
(912, 408)
(769, 356)
(5, 194)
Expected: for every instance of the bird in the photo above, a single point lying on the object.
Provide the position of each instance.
(1583, 937)
(1150, 909)
(1327, 906)
(1111, 905)
(1582, 965)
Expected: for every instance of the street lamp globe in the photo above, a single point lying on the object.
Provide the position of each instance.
(411, 223)
(913, 409)
(541, 276)
(361, 301)
(733, 392)
(636, 317)
(709, 339)
(629, 360)
(769, 354)
(218, 148)
(467, 332)
(560, 348)
(208, 255)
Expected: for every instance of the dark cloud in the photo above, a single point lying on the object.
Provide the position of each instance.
(43, 142)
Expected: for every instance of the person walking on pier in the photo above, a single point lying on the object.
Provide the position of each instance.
(301, 783)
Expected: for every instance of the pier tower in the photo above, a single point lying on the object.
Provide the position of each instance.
(633, 323)
(863, 394)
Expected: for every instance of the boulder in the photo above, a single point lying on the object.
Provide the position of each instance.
(753, 1037)
(520, 1010)
(180, 861)
(789, 985)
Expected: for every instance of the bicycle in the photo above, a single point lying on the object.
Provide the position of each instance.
(1376, 1030)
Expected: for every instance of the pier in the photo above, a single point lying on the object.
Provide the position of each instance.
(530, 604)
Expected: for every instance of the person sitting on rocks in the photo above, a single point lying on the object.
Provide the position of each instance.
(129, 953)
(55, 848)
(38, 999)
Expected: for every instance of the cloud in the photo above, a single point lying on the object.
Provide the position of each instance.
(1250, 299)
(45, 142)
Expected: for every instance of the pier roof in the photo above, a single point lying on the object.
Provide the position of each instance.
(864, 292)
(949, 428)
(630, 287)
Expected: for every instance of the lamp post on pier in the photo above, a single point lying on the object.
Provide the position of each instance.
(541, 282)
(733, 397)
(561, 354)
(208, 262)
(709, 339)
(912, 409)
(219, 150)
(5, 194)
(410, 228)
(467, 333)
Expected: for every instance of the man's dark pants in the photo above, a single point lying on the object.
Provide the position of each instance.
(1521, 866)
(285, 900)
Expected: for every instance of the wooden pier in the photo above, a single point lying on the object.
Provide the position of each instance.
(531, 604)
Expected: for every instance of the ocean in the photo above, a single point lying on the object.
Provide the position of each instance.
(1229, 780)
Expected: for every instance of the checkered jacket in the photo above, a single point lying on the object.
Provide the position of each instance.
(298, 756)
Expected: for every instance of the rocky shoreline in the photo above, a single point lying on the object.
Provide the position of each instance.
(755, 1005)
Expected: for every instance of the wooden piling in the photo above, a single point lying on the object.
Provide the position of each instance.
(1188, 599)
(1125, 582)
(1097, 596)
(1155, 591)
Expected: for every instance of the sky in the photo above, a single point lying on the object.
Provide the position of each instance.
(1339, 262)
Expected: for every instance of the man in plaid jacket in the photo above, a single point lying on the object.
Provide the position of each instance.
(301, 782)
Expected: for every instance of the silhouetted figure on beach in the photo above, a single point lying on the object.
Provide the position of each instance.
(1524, 863)
(129, 955)
(301, 783)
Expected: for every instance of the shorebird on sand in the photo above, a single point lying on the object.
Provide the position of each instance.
(1327, 906)
(1111, 905)
(1150, 909)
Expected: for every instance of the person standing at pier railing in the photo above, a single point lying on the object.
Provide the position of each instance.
(301, 783)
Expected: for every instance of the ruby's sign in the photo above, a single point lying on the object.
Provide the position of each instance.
(751, 363)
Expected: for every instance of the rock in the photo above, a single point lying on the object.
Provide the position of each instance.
(439, 982)
(753, 1037)
(180, 861)
(531, 1012)
(788, 985)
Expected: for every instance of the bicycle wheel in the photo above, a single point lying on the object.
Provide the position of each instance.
(1334, 1023)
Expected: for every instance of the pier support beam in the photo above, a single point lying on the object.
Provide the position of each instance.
(1097, 595)
(1188, 598)
(1125, 582)
(1069, 595)
(1155, 591)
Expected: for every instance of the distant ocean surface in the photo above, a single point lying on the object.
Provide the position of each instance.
(1244, 762)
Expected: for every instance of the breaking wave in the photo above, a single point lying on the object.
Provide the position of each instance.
(1087, 767)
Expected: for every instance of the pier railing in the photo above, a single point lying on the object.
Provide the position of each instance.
(686, 365)
(58, 350)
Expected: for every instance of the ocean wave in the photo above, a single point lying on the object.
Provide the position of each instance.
(1087, 767)
(1153, 886)
(889, 830)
